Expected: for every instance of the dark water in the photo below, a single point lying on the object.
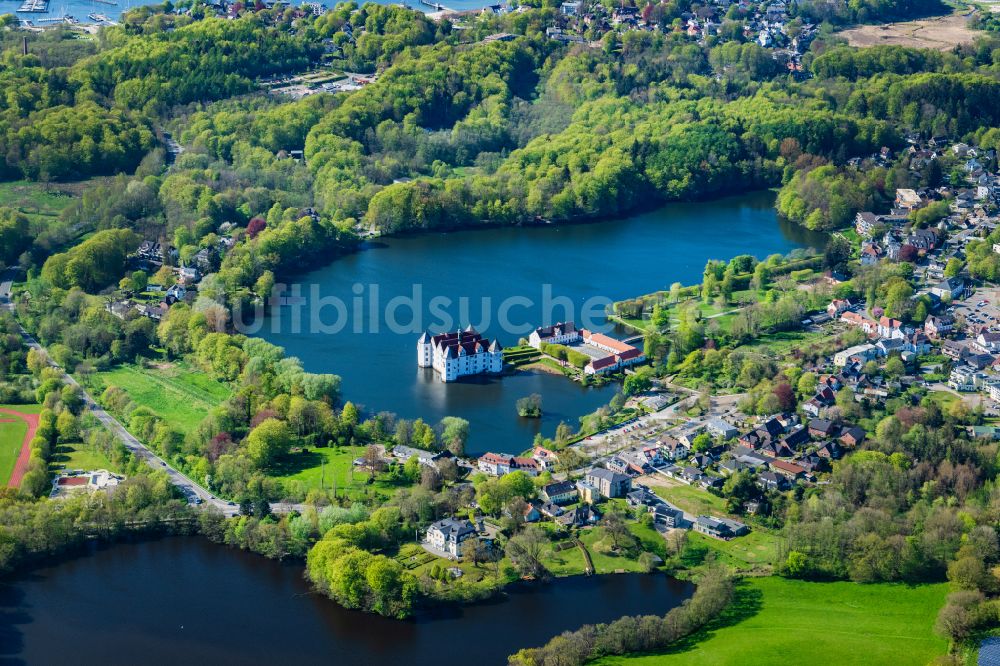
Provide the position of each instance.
(186, 600)
(572, 267)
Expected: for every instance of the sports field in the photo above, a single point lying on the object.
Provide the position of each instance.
(17, 426)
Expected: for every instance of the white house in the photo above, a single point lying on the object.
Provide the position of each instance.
(459, 354)
(450, 534)
(865, 352)
(966, 378)
(563, 333)
(987, 342)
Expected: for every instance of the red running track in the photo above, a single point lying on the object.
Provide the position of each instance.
(21, 466)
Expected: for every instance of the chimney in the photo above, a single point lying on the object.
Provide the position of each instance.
(24, 45)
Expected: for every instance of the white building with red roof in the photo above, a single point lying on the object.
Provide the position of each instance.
(620, 354)
(459, 354)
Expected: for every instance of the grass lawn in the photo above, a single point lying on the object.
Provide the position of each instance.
(685, 497)
(78, 456)
(566, 562)
(782, 343)
(778, 621)
(604, 559)
(179, 395)
(757, 550)
(943, 398)
(12, 432)
(35, 200)
(25, 409)
(333, 468)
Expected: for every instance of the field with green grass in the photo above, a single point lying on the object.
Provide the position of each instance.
(178, 394)
(37, 201)
(687, 498)
(12, 432)
(605, 560)
(778, 621)
(330, 468)
(756, 551)
(25, 409)
(78, 456)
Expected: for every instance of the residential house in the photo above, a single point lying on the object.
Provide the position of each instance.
(642, 496)
(777, 450)
(560, 492)
(720, 528)
(450, 535)
(890, 328)
(887, 346)
(799, 434)
(829, 451)
(616, 464)
(987, 341)
(860, 321)
(917, 343)
(871, 253)
(949, 288)
(529, 466)
(426, 458)
(852, 436)
(495, 464)
(789, 469)
(721, 429)
(966, 378)
(838, 306)
(665, 515)
(821, 428)
(858, 353)
(580, 516)
(773, 481)
(865, 223)
(545, 458)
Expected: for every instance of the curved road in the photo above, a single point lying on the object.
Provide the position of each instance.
(196, 493)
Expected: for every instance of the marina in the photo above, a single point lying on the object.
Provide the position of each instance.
(101, 19)
(33, 7)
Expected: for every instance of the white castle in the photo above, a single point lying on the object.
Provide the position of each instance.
(458, 354)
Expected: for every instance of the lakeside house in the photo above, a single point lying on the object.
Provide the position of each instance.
(426, 458)
(459, 354)
(450, 535)
(563, 333)
(620, 355)
(498, 464)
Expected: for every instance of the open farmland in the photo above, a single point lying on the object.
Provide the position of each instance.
(940, 32)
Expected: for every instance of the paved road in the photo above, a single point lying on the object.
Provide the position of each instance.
(196, 493)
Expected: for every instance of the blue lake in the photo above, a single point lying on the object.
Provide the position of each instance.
(519, 272)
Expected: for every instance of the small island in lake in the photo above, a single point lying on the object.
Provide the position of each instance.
(530, 406)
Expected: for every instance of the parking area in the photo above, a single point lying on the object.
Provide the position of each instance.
(980, 309)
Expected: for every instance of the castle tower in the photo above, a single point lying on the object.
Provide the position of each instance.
(424, 351)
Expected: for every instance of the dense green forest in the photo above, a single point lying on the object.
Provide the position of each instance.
(455, 132)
